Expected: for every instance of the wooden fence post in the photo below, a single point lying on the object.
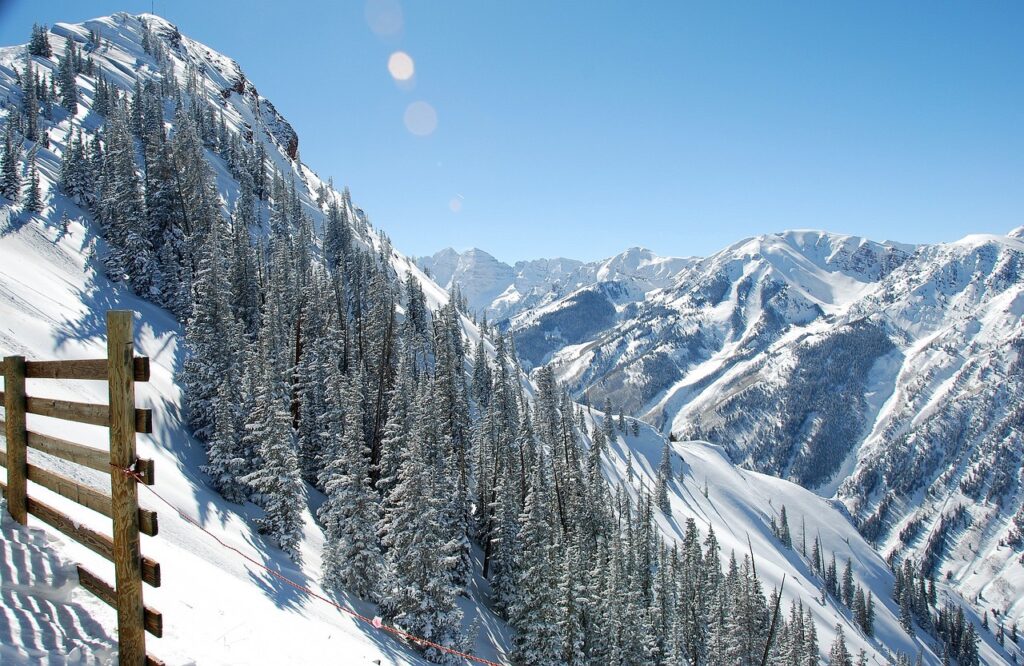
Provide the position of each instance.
(124, 493)
(17, 463)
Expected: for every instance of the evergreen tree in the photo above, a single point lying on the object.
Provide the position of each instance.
(64, 224)
(210, 333)
(75, 174)
(534, 616)
(784, 533)
(608, 422)
(226, 460)
(810, 640)
(30, 102)
(482, 376)
(397, 429)
(869, 615)
(276, 483)
(66, 74)
(832, 577)
(417, 588)
(101, 100)
(39, 43)
(122, 211)
(859, 608)
(663, 478)
(176, 259)
(351, 552)
(10, 174)
(847, 585)
(34, 196)
(839, 655)
(906, 616)
(571, 607)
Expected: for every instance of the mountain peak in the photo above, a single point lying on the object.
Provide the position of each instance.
(478, 254)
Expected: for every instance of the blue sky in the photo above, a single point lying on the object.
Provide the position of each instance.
(582, 128)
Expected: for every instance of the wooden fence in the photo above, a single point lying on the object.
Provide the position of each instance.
(121, 369)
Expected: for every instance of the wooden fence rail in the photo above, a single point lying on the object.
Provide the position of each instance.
(121, 369)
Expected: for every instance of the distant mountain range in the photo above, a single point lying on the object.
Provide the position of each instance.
(886, 375)
(502, 291)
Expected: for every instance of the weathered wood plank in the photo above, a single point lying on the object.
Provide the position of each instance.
(91, 539)
(90, 498)
(84, 412)
(154, 620)
(143, 419)
(80, 412)
(87, 496)
(124, 491)
(86, 456)
(14, 428)
(89, 369)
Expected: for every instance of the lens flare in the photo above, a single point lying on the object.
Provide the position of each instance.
(456, 203)
(401, 66)
(420, 118)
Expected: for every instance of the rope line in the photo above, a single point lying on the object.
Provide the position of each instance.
(373, 622)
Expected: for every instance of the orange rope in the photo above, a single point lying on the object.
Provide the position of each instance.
(377, 625)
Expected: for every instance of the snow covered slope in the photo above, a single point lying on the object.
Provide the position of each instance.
(218, 609)
(740, 506)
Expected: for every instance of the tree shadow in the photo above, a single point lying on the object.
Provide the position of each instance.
(284, 595)
(11, 221)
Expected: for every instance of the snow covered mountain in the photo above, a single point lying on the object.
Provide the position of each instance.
(218, 608)
(481, 277)
(884, 374)
(501, 291)
(54, 289)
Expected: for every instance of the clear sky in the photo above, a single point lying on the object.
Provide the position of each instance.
(582, 128)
